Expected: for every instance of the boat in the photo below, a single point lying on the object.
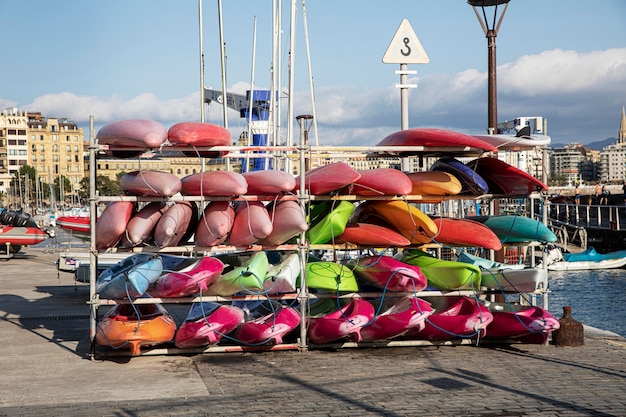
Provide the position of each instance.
(471, 182)
(379, 181)
(327, 178)
(283, 276)
(368, 234)
(16, 218)
(206, 323)
(442, 274)
(141, 226)
(147, 183)
(214, 184)
(330, 276)
(587, 260)
(435, 185)
(199, 135)
(242, 273)
(288, 221)
(269, 182)
(507, 277)
(112, 223)
(130, 277)
(75, 224)
(191, 280)
(407, 219)
(406, 313)
(327, 220)
(434, 138)
(388, 273)
(252, 223)
(215, 224)
(454, 317)
(503, 178)
(177, 224)
(342, 323)
(465, 232)
(516, 229)
(131, 133)
(134, 326)
(265, 322)
(514, 321)
(20, 236)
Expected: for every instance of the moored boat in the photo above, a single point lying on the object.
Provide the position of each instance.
(586, 260)
(76, 224)
(19, 236)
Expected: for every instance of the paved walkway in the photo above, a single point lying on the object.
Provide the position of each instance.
(45, 370)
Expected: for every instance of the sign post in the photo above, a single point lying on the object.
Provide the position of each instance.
(405, 49)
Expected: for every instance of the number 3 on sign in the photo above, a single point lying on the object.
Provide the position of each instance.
(405, 48)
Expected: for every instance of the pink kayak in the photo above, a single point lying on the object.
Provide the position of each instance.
(215, 184)
(388, 272)
(344, 323)
(267, 323)
(380, 181)
(288, 221)
(111, 225)
(131, 133)
(215, 224)
(148, 183)
(408, 313)
(206, 323)
(327, 178)
(252, 223)
(175, 224)
(199, 135)
(191, 280)
(140, 227)
(517, 321)
(269, 182)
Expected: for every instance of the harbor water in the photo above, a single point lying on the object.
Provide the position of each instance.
(597, 297)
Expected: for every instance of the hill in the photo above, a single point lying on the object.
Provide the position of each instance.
(597, 145)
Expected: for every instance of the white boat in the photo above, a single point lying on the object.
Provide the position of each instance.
(507, 277)
(589, 259)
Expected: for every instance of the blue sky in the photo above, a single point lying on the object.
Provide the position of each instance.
(561, 59)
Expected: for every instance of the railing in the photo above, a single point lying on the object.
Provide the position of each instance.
(582, 215)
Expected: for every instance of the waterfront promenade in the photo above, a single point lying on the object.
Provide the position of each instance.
(45, 370)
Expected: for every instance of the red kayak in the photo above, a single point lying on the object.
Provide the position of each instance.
(267, 322)
(388, 272)
(131, 133)
(380, 181)
(215, 224)
(434, 138)
(346, 322)
(215, 184)
(206, 323)
(328, 178)
(112, 223)
(269, 182)
(148, 183)
(191, 280)
(407, 313)
(199, 135)
(518, 321)
(252, 223)
(465, 232)
(369, 234)
(288, 220)
(504, 178)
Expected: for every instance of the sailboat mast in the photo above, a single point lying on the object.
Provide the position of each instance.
(201, 62)
(308, 57)
(223, 63)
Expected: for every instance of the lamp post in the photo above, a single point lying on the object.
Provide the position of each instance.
(491, 32)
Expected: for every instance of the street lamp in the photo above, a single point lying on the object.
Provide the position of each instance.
(491, 31)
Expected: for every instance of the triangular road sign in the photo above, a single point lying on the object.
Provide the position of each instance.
(405, 48)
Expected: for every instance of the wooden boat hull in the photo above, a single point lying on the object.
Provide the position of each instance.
(328, 178)
(242, 273)
(388, 273)
(328, 220)
(20, 236)
(205, 324)
(442, 274)
(267, 323)
(408, 313)
(199, 135)
(516, 229)
(112, 223)
(189, 281)
(146, 183)
(503, 178)
(455, 317)
(367, 234)
(215, 224)
(515, 321)
(346, 322)
(434, 138)
(122, 328)
(379, 181)
(252, 223)
(465, 232)
(269, 182)
(214, 184)
(288, 221)
(130, 277)
(330, 276)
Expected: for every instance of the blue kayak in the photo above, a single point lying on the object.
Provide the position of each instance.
(129, 278)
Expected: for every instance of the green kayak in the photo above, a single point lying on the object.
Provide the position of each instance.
(243, 273)
(327, 220)
(441, 274)
(330, 276)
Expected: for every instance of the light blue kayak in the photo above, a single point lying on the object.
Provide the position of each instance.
(129, 278)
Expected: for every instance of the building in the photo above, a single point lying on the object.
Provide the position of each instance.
(13, 145)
